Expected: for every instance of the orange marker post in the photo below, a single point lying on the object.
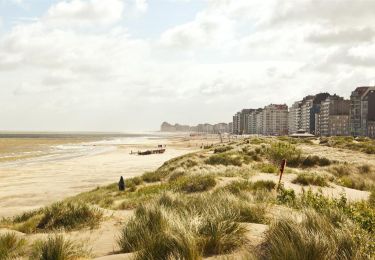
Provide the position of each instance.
(282, 167)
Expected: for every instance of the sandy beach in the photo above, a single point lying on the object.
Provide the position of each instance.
(28, 184)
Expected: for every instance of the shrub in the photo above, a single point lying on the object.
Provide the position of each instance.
(223, 149)
(60, 215)
(224, 159)
(264, 185)
(11, 246)
(135, 181)
(70, 216)
(310, 179)
(196, 183)
(153, 176)
(281, 150)
(324, 161)
(352, 182)
(372, 198)
(364, 169)
(56, 247)
(268, 168)
(310, 161)
(340, 170)
(286, 196)
(312, 238)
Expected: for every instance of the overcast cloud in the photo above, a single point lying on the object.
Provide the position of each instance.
(128, 65)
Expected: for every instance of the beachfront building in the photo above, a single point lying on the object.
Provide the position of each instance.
(362, 111)
(334, 116)
(275, 119)
(294, 118)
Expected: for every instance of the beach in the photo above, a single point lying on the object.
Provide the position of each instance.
(71, 167)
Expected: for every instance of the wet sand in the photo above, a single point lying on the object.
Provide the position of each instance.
(31, 183)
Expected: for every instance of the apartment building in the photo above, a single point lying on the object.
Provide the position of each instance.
(275, 119)
(294, 118)
(362, 111)
(334, 116)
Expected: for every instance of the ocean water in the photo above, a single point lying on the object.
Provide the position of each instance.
(89, 144)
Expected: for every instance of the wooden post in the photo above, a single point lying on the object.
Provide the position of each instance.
(282, 167)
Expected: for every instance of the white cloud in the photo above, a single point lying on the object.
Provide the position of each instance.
(85, 12)
(232, 54)
(141, 5)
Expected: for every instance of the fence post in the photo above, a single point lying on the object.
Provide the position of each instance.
(282, 167)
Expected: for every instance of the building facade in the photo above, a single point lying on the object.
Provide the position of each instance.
(334, 116)
(275, 119)
(362, 111)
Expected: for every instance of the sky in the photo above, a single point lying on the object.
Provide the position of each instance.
(129, 65)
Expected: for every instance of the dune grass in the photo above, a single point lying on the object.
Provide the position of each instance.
(60, 215)
(195, 183)
(365, 145)
(311, 179)
(56, 247)
(185, 227)
(11, 246)
(225, 159)
(312, 238)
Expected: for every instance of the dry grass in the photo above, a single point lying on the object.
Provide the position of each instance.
(11, 246)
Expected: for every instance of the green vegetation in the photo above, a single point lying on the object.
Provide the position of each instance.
(315, 237)
(196, 183)
(201, 204)
(60, 215)
(222, 149)
(11, 246)
(184, 227)
(225, 159)
(365, 145)
(310, 179)
(311, 161)
(267, 168)
(56, 247)
(282, 150)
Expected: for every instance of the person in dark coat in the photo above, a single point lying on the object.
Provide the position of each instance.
(121, 184)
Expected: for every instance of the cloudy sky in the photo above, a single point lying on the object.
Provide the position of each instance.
(128, 65)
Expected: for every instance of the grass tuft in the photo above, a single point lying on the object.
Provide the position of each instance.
(310, 179)
(56, 247)
(11, 246)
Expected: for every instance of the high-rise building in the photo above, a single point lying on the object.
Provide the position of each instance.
(334, 116)
(236, 123)
(259, 121)
(362, 111)
(294, 119)
(275, 119)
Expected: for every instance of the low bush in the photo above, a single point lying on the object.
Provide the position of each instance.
(314, 160)
(236, 187)
(340, 170)
(11, 246)
(352, 182)
(364, 169)
(268, 168)
(264, 185)
(310, 179)
(372, 198)
(196, 183)
(57, 247)
(154, 176)
(222, 149)
(60, 215)
(224, 159)
(282, 150)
